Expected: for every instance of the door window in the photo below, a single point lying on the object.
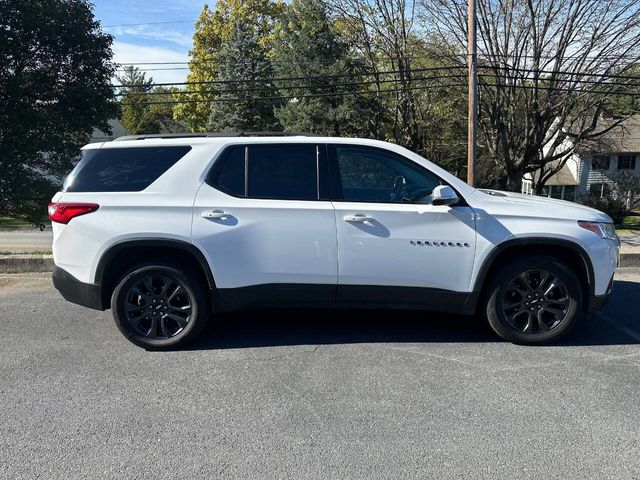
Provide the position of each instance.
(365, 174)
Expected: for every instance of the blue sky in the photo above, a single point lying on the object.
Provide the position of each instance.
(156, 40)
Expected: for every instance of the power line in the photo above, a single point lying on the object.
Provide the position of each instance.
(292, 97)
(284, 79)
(292, 87)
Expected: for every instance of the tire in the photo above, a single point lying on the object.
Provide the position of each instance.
(160, 306)
(528, 316)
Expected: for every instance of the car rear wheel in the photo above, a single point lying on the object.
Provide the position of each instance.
(534, 300)
(160, 306)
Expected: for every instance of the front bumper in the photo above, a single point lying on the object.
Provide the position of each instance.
(596, 302)
(75, 291)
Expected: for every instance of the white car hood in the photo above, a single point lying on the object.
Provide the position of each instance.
(496, 202)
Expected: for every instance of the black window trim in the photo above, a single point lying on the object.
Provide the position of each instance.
(321, 171)
(336, 185)
(326, 172)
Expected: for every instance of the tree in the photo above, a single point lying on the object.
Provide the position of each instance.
(145, 109)
(246, 73)
(309, 47)
(134, 87)
(212, 30)
(54, 90)
(546, 74)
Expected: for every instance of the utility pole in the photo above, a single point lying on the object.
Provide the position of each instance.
(472, 64)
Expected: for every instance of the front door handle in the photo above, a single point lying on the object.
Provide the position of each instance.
(358, 218)
(215, 214)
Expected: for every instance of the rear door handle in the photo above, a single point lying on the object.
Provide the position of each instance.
(358, 218)
(215, 214)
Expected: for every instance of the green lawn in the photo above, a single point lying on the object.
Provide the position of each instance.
(12, 222)
(631, 224)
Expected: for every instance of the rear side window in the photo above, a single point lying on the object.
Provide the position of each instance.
(284, 172)
(122, 169)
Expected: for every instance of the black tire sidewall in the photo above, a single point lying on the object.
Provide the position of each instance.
(499, 283)
(194, 290)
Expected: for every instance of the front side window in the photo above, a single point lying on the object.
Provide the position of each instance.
(282, 172)
(626, 162)
(122, 169)
(600, 162)
(367, 174)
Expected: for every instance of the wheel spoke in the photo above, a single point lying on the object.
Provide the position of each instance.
(542, 327)
(524, 277)
(554, 311)
(178, 289)
(182, 322)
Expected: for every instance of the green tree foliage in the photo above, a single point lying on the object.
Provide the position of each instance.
(308, 45)
(246, 71)
(145, 109)
(135, 85)
(212, 30)
(54, 90)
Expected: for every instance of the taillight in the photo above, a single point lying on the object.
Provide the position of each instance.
(64, 212)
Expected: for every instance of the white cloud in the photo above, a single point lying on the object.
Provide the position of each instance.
(154, 32)
(124, 52)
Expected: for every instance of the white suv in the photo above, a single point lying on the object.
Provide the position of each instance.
(167, 230)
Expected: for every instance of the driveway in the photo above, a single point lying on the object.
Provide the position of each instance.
(315, 394)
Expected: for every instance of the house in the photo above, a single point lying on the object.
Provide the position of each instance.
(117, 130)
(595, 164)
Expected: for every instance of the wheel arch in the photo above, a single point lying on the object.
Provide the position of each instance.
(566, 250)
(125, 254)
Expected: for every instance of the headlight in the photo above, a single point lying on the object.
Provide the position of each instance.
(603, 230)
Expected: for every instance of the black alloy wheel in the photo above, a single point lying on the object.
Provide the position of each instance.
(535, 301)
(158, 306)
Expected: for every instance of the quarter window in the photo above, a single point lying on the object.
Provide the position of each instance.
(365, 174)
(122, 169)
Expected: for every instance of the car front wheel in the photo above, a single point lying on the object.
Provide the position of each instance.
(533, 300)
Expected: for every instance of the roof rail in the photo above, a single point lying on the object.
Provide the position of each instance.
(215, 134)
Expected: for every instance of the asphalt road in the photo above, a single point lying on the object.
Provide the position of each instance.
(301, 395)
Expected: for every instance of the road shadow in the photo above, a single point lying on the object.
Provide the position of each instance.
(266, 328)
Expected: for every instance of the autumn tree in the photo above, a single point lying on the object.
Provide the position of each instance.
(55, 88)
(212, 29)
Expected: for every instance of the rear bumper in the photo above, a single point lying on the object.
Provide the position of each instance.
(75, 291)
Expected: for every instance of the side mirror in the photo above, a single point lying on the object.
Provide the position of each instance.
(444, 195)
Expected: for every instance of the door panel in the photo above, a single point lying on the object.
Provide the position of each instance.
(266, 241)
(266, 234)
(406, 245)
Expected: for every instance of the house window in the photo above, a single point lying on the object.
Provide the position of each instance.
(599, 190)
(569, 193)
(555, 191)
(600, 162)
(626, 162)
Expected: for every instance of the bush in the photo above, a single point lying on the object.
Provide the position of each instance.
(614, 207)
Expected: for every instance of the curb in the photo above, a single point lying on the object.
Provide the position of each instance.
(44, 263)
(630, 259)
(26, 263)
